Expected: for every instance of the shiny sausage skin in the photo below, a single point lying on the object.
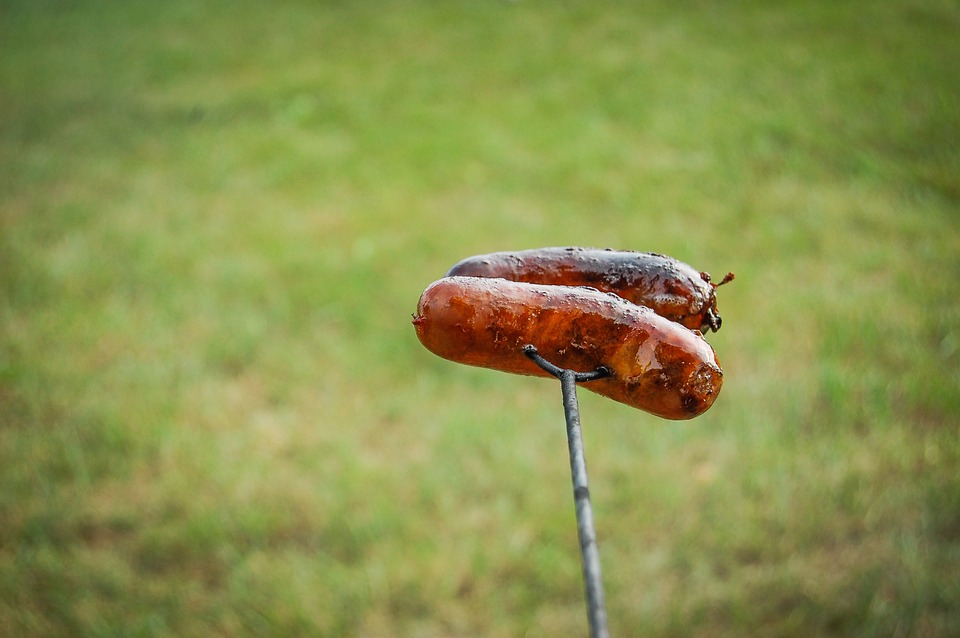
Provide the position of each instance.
(672, 288)
(656, 365)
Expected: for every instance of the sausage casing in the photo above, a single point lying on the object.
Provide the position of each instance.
(671, 288)
(656, 365)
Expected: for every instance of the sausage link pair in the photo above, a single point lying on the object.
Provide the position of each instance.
(656, 365)
(671, 288)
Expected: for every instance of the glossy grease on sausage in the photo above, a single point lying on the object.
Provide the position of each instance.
(671, 288)
(656, 365)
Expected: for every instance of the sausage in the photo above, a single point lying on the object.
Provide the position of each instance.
(656, 365)
(671, 288)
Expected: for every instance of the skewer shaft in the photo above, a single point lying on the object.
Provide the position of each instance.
(589, 554)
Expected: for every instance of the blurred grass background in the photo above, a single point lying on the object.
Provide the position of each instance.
(216, 220)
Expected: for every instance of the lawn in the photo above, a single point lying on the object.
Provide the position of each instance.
(216, 220)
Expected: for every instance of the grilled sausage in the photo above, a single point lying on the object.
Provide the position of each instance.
(656, 365)
(671, 288)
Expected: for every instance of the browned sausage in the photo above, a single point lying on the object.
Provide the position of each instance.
(656, 365)
(672, 288)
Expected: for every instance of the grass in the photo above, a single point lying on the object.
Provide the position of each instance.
(215, 221)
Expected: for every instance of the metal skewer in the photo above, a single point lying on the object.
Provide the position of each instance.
(589, 554)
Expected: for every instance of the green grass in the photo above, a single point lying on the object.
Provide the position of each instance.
(216, 219)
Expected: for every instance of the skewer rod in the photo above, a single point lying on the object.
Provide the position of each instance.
(589, 554)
